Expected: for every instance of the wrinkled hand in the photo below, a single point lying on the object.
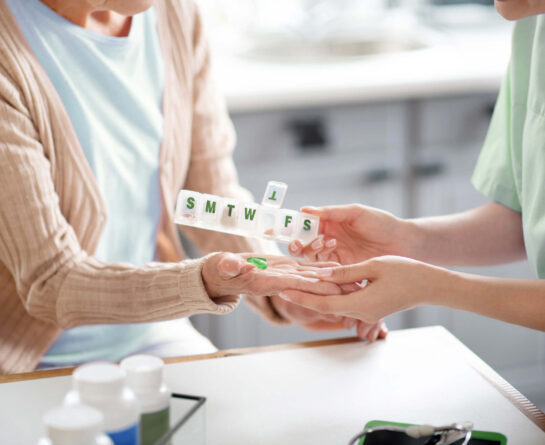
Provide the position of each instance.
(394, 284)
(227, 274)
(353, 233)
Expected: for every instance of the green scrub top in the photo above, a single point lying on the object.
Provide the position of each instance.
(511, 166)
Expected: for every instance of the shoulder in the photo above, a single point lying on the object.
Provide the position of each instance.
(16, 73)
(181, 29)
(182, 16)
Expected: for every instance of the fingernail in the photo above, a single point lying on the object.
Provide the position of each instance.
(284, 296)
(317, 244)
(331, 243)
(325, 272)
(293, 248)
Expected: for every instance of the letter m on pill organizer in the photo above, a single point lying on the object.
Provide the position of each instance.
(266, 220)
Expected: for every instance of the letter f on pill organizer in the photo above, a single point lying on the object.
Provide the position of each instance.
(268, 220)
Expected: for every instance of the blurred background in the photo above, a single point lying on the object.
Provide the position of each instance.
(380, 102)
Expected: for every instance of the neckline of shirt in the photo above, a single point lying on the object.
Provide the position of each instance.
(111, 41)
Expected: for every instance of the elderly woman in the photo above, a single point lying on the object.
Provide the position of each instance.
(107, 109)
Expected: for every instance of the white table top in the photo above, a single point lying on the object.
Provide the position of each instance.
(321, 395)
(464, 62)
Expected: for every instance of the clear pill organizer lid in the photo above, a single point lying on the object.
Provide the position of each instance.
(266, 220)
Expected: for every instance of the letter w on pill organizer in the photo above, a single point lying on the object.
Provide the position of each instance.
(266, 220)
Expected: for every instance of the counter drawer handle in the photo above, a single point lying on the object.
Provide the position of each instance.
(429, 169)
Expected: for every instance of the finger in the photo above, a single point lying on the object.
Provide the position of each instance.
(294, 312)
(350, 323)
(338, 213)
(296, 249)
(324, 326)
(324, 304)
(230, 266)
(320, 264)
(329, 246)
(332, 318)
(271, 283)
(314, 286)
(352, 273)
(302, 315)
(312, 269)
(309, 273)
(383, 333)
(363, 329)
(311, 251)
(372, 335)
(349, 288)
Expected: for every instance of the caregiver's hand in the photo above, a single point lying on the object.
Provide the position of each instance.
(354, 233)
(394, 284)
(230, 274)
(316, 321)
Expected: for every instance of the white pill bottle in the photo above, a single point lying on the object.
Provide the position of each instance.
(101, 385)
(74, 425)
(145, 378)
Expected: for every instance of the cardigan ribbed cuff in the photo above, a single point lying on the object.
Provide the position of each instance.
(193, 290)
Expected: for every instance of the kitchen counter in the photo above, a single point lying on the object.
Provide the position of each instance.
(461, 62)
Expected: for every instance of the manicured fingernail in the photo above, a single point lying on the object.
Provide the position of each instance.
(317, 244)
(325, 272)
(293, 248)
(331, 243)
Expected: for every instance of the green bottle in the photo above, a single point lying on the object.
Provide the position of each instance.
(145, 378)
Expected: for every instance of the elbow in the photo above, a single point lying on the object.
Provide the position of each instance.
(49, 313)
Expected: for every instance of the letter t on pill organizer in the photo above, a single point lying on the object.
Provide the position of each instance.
(268, 220)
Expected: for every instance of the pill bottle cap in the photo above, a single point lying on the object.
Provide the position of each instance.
(144, 372)
(73, 425)
(99, 380)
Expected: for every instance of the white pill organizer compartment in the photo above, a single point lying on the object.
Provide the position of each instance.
(227, 215)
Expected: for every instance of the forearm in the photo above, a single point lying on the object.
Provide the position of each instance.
(491, 234)
(515, 301)
(86, 291)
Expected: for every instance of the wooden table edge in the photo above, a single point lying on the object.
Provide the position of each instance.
(529, 409)
(60, 372)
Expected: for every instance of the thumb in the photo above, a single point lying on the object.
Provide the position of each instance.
(339, 214)
(353, 273)
(231, 265)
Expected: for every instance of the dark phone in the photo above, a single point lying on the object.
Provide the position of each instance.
(395, 438)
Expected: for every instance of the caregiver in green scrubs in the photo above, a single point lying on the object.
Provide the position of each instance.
(401, 259)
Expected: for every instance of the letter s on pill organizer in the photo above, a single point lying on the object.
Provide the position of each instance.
(266, 220)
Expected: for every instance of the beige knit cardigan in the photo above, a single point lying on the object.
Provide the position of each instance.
(52, 214)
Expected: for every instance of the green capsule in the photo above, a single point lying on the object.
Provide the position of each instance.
(260, 263)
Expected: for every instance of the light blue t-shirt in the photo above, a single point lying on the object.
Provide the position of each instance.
(112, 89)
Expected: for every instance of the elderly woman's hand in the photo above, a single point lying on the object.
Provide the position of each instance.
(230, 274)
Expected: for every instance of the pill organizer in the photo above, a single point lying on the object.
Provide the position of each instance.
(266, 220)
